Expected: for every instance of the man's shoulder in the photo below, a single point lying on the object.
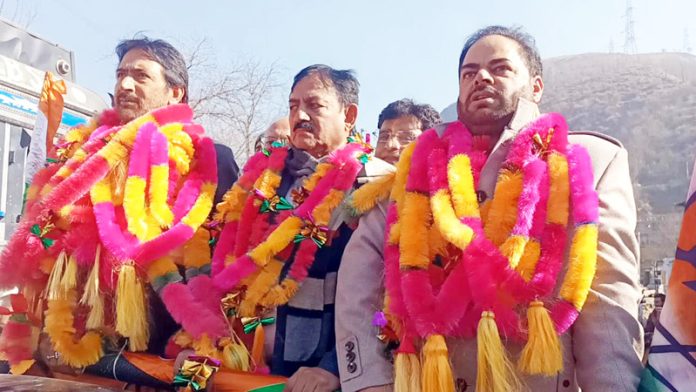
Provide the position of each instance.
(375, 168)
(602, 149)
(594, 140)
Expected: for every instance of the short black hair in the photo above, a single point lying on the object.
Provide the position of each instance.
(342, 80)
(528, 48)
(426, 114)
(161, 51)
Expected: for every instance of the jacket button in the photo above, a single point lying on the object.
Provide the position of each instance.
(352, 367)
(566, 383)
(350, 356)
(350, 346)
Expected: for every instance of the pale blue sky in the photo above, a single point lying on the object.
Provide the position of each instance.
(399, 49)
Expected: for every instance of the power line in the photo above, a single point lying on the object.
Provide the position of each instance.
(629, 31)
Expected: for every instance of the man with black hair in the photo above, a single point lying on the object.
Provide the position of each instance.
(150, 76)
(299, 280)
(475, 277)
(400, 123)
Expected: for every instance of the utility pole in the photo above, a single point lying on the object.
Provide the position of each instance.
(687, 42)
(629, 32)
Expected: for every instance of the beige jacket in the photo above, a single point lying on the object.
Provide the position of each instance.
(603, 349)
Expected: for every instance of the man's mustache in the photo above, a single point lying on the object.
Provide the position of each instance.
(127, 97)
(482, 91)
(305, 126)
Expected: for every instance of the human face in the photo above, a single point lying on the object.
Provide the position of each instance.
(319, 123)
(279, 131)
(658, 302)
(141, 86)
(493, 77)
(395, 135)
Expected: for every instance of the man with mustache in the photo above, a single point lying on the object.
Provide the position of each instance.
(304, 182)
(151, 77)
(152, 74)
(467, 255)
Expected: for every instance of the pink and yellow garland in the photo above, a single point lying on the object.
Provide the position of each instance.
(89, 213)
(500, 259)
(261, 228)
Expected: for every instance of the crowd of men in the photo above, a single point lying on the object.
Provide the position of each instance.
(325, 337)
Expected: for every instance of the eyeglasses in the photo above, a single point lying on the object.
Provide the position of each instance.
(402, 137)
(267, 141)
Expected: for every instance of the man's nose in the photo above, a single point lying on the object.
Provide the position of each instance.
(126, 83)
(302, 115)
(393, 143)
(483, 76)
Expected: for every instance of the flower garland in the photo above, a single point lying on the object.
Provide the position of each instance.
(327, 188)
(89, 208)
(261, 228)
(520, 234)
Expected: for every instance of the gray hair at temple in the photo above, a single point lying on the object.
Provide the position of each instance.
(424, 113)
(161, 51)
(342, 80)
(527, 44)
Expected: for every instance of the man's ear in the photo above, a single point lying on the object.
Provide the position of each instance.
(351, 116)
(177, 95)
(537, 89)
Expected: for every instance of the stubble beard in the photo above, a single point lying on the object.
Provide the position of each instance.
(490, 122)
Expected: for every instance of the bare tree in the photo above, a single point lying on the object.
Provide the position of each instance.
(21, 13)
(236, 102)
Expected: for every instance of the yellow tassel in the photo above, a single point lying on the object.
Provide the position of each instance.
(407, 373)
(131, 309)
(69, 280)
(542, 354)
(53, 288)
(235, 356)
(495, 372)
(92, 297)
(437, 371)
(257, 349)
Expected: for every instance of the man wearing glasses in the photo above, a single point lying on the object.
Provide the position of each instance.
(278, 131)
(400, 123)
